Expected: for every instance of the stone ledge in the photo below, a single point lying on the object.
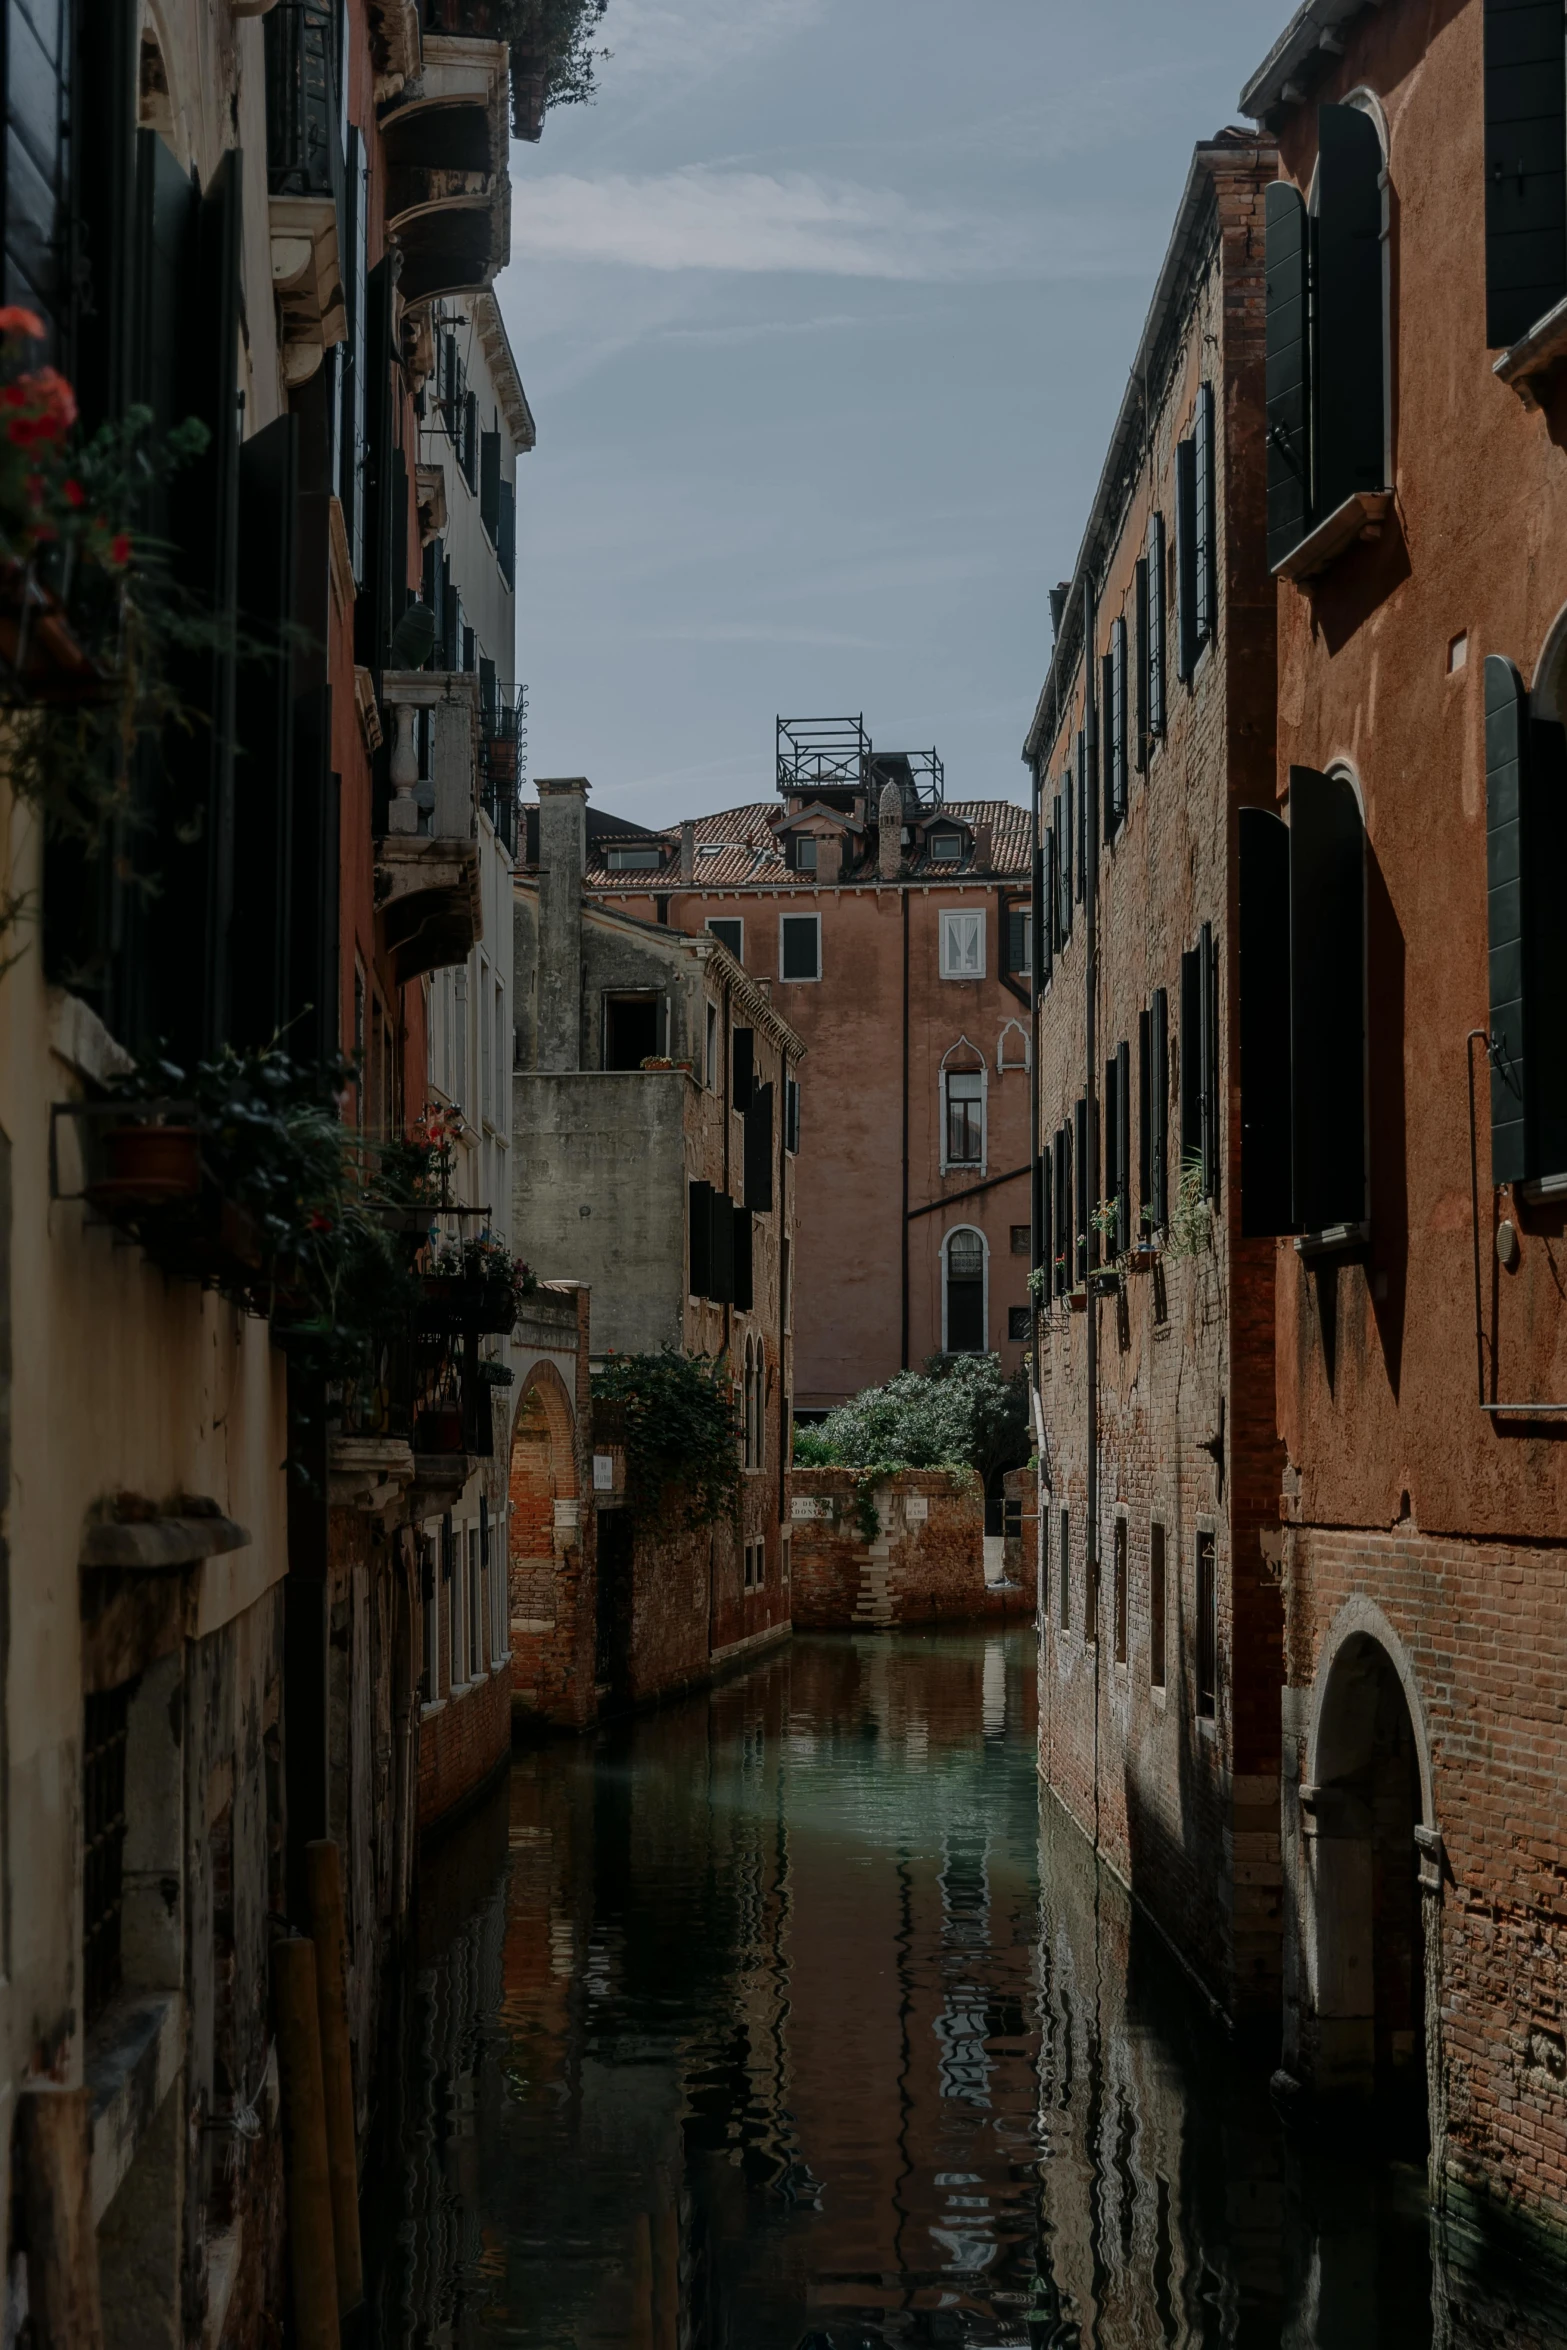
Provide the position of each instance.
(134, 2053)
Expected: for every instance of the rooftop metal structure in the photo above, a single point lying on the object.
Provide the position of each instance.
(833, 755)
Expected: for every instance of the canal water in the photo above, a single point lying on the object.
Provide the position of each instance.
(788, 2019)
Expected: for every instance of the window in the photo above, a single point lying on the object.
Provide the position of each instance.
(1526, 785)
(1090, 1589)
(1115, 746)
(945, 847)
(755, 1568)
(729, 931)
(757, 1155)
(964, 1313)
(1019, 1320)
(451, 1579)
(1205, 552)
(1186, 639)
(791, 1114)
(962, 946)
(1020, 1239)
(475, 1607)
(105, 1732)
(1325, 324)
(1154, 653)
(1156, 1605)
(1199, 1059)
(1020, 940)
(1525, 156)
(805, 853)
(1118, 1145)
(965, 1119)
(800, 946)
(742, 1053)
(632, 1025)
(1207, 1627)
(1064, 1570)
(430, 1624)
(786, 1286)
(634, 860)
(710, 1058)
(1121, 1573)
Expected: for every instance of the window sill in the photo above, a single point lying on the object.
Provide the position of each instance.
(1360, 517)
(436, 1706)
(1334, 1240)
(1534, 355)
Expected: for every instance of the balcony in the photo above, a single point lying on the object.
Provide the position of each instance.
(448, 196)
(504, 731)
(304, 175)
(427, 862)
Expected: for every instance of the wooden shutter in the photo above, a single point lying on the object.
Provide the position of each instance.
(1262, 945)
(1110, 1121)
(1347, 291)
(1039, 1255)
(1083, 1191)
(1122, 1161)
(1208, 1034)
(721, 1250)
(1080, 850)
(1156, 624)
(1046, 913)
(37, 176)
(700, 1239)
(1105, 780)
(1144, 1110)
(743, 1292)
(1118, 763)
(490, 484)
(470, 440)
(506, 542)
(1525, 790)
(104, 108)
(1061, 1246)
(1327, 1000)
(1204, 563)
(355, 353)
(373, 608)
(1525, 166)
(1159, 1104)
(264, 766)
(1546, 933)
(1140, 621)
(743, 1044)
(759, 1149)
(1185, 559)
(1191, 1059)
(792, 1114)
(1288, 369)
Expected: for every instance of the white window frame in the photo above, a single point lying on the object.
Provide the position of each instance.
(967, 1166)
(815, 978)
(739, 922)
(951, 965)
(947, 1239)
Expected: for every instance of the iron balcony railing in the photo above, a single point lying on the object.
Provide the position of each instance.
(304, 157)
(503, 730)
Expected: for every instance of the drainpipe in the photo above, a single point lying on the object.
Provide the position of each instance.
(904, 895)
(1038, 1246)
(1090, 1030)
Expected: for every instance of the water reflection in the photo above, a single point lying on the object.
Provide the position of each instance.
(749, 2027)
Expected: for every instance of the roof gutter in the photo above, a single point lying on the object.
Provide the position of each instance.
(1308, 45)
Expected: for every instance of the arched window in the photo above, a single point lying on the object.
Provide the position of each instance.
(963, 1311)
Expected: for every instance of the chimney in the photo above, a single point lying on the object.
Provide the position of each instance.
(1058, 597)
(829, 856)
(563, 848)
(688, 851)
(889, 826)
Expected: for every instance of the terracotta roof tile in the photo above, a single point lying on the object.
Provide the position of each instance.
(740, 852)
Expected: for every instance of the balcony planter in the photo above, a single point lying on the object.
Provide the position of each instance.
(1145, 1256)
(455, 1302)
(1077, 1301)
(148, 1166)
(440, 1430)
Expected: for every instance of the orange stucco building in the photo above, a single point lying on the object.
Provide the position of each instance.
(891, 926)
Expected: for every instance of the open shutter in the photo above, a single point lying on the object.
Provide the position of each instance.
(1205, 564)
(721, 1249)
(759, 1150)
(1327, 1000)
(490, 484)
(1288, 365)
(744, 1298)
(1208, 1004)
(1080, 850)
(700, 1239)
(506, 541)
(1110, 1120)
(1191, 1059)
(1546, 934)
(1159, 1105)
(1140, 727)
(1122, 1161)
(1348, 305)
(1525, 166)
(791, 1114)
(264, 770)
(1262, 943)
(1118, 762)
(744, 1067)
(1039, 1255)
(1045, 912)
(1084, 1193)
(1185, 558)
(1144, 1110)
(355, 350)
(1156, 624)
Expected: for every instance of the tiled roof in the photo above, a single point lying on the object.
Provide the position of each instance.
(742, 852)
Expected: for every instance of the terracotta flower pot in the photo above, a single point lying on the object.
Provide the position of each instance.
(439, 1431)
(149, 1166)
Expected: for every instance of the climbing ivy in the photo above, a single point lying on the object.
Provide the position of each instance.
(682, 1462)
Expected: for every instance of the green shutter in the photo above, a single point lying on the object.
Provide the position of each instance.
(1159, 1105)
(1144, 1109)
(1185, 558)
(1081, 1187)
(1547, 933)
(700, 1239)
(1262, 941)
(759, 1149)
(1350, 424)
(1327, 1000)
(1191, 1058)
(1288, 369)
(1155, 559)
(1121, 1163)
(1208, 1031)
(1507, 853)
(1140, 622)
(742, 1044)
(742, 1254)
(721, 1257)
(1118, 762)
(1205, 563)
(1525, 166)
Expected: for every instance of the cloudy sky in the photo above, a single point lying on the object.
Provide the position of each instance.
(824, 308)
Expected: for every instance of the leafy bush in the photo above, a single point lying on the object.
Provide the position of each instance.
(962, 1411)
(682, 1459)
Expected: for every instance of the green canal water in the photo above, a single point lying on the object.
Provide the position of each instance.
(789, 2019)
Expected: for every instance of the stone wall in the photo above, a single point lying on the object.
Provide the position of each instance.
(924, 1565)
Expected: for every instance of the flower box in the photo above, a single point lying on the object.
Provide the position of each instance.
(459, 1301)
(440, 1430)
(148, 1166)
(1145, 1256)
(1077, 1300)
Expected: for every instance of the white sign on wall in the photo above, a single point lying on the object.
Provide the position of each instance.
(603, 1472)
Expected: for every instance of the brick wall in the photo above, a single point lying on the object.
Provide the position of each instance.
(462, 1742)
(926, 1563)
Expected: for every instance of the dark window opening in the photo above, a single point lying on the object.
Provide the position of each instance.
(730, 934)
(1207, 1629)
(631, 1030)
(1121, 1571)
(1064, 1570)
(965, 1294)
(1156, 1606)
(104, 1738)
(1018, 1323)
(1020, 1237)
(800, 940)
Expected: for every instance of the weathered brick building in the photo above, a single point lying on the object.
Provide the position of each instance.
(892, 924)
(656, 1121)
(1416, 504)
(1160, 1663)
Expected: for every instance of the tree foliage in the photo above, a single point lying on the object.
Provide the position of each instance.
(681, 1455)
(961, 1411)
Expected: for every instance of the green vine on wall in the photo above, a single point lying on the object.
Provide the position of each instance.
(682, 1461)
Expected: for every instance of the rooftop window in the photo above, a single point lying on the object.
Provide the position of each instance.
(636, 860)
(945, 847)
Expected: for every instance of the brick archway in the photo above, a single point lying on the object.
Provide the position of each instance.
(545, 1549)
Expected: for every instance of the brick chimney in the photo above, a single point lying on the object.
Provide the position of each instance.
(829, 856)
(889, 832)
(563, 848)
(688, 851)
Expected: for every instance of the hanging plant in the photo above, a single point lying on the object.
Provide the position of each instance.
(682, 1457)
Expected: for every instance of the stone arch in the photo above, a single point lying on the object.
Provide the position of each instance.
(542, 1520)
(1548, 689)
(1369, 1839)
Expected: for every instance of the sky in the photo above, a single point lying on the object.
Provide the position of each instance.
(824, 309)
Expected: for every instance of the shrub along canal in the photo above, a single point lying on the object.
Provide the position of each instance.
(788, 2019)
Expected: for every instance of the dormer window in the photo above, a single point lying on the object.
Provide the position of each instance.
(945, 847)
(635, 860)
(805, 852)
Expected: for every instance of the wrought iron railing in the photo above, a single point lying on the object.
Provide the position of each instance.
(304, 157)
(504, 755)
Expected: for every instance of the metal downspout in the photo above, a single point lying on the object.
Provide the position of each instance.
(1090, 788)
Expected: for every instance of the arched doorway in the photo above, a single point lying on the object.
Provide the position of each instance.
(544, 1548)
(1366, 1810)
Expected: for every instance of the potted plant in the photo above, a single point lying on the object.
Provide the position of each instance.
(149, 1162)
(474, 1284)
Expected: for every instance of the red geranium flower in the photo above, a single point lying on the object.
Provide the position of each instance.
(14, 320)
(120, 549)
(75, 495)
